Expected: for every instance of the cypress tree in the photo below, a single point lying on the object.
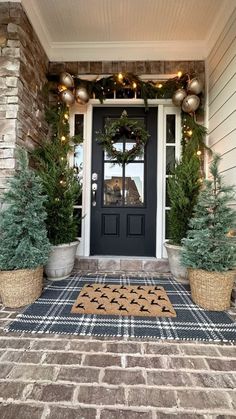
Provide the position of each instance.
(183, 188)
(59, 180)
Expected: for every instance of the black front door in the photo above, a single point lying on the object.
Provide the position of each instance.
(123, 213)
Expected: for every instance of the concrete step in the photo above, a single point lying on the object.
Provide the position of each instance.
(117, 263)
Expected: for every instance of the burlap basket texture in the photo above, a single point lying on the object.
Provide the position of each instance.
(211, 290)
(20, 287)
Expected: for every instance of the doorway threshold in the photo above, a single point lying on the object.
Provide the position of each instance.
(109, 263)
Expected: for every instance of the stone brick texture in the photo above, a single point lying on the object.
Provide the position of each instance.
(23, 69)
(47, 376)
(136, 67)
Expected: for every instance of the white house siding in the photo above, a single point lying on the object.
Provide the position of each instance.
(221, 68)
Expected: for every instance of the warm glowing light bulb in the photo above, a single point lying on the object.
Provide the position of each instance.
(120, 76)
(61, 182)
(63, 138)
(159, 86)
(62, 158)
(134, 85)
(61, 88)
(66, 116)
(190, 133)
(199, 153)
(179, 74)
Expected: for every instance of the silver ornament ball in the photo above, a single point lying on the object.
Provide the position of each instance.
(190, 103)
(81, 95)
(67, 97)
(178, 97)
(66, 80)
(195, 86)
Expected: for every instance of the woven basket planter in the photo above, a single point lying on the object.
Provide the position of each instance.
(21, 287)
(211, 290)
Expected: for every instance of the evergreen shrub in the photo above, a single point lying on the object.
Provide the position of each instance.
(24, 243)
(208, 245)
(183, 188)
(59, 180)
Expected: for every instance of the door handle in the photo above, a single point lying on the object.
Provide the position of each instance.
(94, 194)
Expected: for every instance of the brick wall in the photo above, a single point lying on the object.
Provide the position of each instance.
(23, 68)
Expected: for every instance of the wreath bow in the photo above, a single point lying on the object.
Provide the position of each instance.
(123, 127)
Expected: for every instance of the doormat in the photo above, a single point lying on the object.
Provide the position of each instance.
(123, 300)
(51, 313)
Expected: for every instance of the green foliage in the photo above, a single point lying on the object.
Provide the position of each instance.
(207, 245)
(24, 243)
(197, 140)
(183, 188)
(104, 86)
(59, 181)
(115, 130)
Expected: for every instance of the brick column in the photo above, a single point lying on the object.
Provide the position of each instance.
(23, 68)
(9, 75)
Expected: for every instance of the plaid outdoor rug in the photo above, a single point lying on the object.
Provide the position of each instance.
(123, 300)
(51, 314)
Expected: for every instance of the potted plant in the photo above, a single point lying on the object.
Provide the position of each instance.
(63, 189)
(24, 246)
(208, 251)
(183, 188)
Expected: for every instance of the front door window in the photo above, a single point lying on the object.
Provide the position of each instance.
(123, 185)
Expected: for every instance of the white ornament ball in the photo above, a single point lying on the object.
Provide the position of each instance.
(67, 97)
(66, 80)
(81, 95)
(178, 97)
(190, 103)
(195, 86)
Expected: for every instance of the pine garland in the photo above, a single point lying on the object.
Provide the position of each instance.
(193, 139)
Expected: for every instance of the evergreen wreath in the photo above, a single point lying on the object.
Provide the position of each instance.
(115, 131)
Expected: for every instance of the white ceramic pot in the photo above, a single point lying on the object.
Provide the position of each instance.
(178, 271)
(61, 261)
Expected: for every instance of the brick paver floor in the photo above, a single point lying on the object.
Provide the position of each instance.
(73, 377)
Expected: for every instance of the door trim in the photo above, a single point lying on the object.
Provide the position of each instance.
(164, 106)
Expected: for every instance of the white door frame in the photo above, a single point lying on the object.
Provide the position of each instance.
(165, 107)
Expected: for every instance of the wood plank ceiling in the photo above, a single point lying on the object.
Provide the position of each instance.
(127, 29)
(127, 20)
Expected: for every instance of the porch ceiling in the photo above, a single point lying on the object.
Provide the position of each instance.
(124, 29)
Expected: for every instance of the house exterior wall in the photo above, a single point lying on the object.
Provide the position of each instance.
(221, 70)
(23, 68)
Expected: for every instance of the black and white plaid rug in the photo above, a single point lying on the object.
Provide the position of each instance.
(51, 314)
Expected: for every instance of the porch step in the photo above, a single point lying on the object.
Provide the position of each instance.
(116, 263)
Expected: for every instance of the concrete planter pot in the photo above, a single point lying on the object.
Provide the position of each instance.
(178, 271)
(61, 261)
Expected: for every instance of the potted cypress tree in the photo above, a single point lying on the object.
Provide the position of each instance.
(63, 189)
(183, 188)
(24, 246)
(208, 251)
